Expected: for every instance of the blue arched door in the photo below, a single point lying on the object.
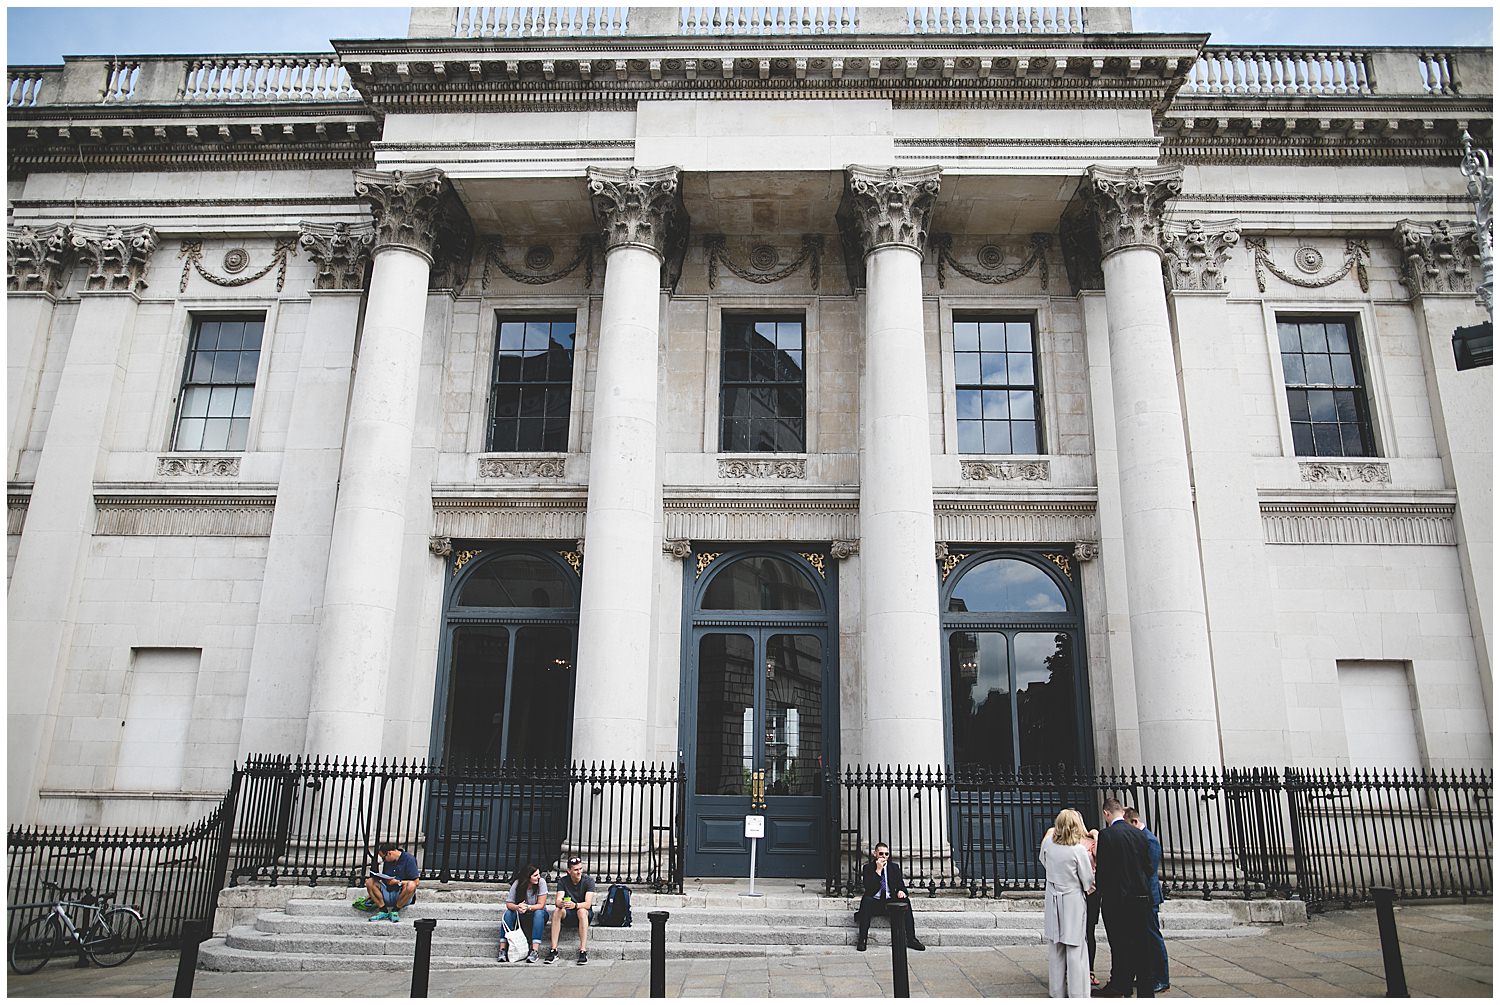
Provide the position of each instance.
(758, 724)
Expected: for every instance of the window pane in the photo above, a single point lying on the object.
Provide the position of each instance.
(512, 336)
(1023, 438)
(996, 404)
(207, 335)
(1302, 439)
(1046, 718)
(789, 402)
(763, 366)
(794, 715)
(968, 404)
(1020, 368)
(1322, 407)
(558, 402)
(253, 333)
(242, 400)
(992, 336)
(538, 336)
(476, 693)
(762, 400)
(202, 370)
(965, 336)
(1319, 369)
(726, 715)
(1326, 440)
(231, 334)
(761, 584)
(993, 367)
(195, 402)
(239, 429)
(1343, 370)
(541, 688)
(789, 335)
(735, 435)
(737, 365)
(1354, 440)
(190, 434)
(215, 434)
(1296, 401)
(1286, 334)
(971, 437)
(1006, 584)
(555, 434)
(533, 367)
(764, 336)
(1338, 336)
(226, 367)
(248, 363)
(1348, 409)
(789, 365)
(519, 581)
(997, 437)
(533, 402)
(979, 678)
(1314, 339)
(1022, 405)
(507, 402)
(529, 434)
(1018, 336)
(966, 367)
(221, 402)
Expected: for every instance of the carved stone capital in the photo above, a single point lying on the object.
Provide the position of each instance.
(1128, 203)
(1085, 551)
(1005, 471)
(940, 550)
(340, 251)
(885, 207)
(40, 259)
(418, 211)
(1437, 259)
(844, 549)
(677, 547)
(636, 208)
(441, 547)
(1196, 253)
(117, 257)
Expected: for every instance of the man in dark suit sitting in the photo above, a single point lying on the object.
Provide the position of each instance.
(1123, 879)
(881, 883)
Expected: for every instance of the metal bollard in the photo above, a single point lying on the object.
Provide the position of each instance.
(1390, 942)
(421, 960)
(658, 921)
(899, 911)
(187, 961)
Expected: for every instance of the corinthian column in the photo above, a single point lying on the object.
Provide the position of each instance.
(43, 596)
(641, 218)
(1174, 681)
(417, 221)
(884, 217)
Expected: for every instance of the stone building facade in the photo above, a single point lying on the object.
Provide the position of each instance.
(895, 386)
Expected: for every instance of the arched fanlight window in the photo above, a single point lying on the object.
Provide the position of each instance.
(1006, 585)
(761, 583)
(519, 580)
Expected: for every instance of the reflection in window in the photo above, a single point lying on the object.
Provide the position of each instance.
(1006, 584)
(996, 386)
(761, 584)
(541, 681)
(509, 702)
(794, 715)
(533, 384)
(1324, 388)
(763, 403)
(1046, 719)
(979, 671)
(476, 693)
(726, 715)
(519, 581)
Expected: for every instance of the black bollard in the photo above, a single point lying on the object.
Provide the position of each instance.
(421, 960)
(1390, 942)
(187, 961)
(658, 921)
(899, 911)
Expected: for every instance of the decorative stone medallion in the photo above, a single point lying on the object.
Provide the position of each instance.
(1309, 260)
(236, 260)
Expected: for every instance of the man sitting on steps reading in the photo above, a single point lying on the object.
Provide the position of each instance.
(391, 883)
(883, 883)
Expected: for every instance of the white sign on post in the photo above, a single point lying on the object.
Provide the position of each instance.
(755, 829)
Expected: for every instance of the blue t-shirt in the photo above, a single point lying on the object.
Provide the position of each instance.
(404, 867)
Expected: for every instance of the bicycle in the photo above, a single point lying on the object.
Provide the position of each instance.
(109, 935)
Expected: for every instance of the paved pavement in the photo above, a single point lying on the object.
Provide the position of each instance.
(1447, 950)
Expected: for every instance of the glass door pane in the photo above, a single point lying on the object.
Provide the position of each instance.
(541, 701)
(1046, 706)
(476, 693)
(979, 675)
(794, 715)
(726, 751)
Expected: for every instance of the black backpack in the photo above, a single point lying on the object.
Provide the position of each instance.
(616, 910)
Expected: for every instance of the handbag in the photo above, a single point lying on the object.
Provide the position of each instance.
(513, 943)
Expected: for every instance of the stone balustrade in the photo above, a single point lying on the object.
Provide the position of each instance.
(260, 79)
(266, 78)
(1299, 71)
(31, 85)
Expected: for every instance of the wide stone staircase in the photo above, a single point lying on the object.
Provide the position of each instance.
(710, 920)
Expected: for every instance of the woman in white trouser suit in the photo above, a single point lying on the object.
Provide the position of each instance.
(1070, 876)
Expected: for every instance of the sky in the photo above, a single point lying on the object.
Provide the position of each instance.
(43, 35)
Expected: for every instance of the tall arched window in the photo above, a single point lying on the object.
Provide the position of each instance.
(1013, 653)
(505, 691)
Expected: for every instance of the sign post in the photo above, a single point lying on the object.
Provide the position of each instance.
(755, 829)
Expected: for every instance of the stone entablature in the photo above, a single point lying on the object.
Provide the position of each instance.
(243, 513)
(1358, 523)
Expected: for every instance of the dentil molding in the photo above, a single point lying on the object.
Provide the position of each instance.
(340, 252)
(1358, 523)
(1128, 204)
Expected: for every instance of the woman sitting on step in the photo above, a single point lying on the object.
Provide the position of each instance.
(527, 898)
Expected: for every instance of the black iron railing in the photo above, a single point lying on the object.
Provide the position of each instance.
(170, 875)
(307, 820)
(1325, 836)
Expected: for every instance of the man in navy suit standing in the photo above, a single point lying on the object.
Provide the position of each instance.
(1154, 940)
(1123, 879)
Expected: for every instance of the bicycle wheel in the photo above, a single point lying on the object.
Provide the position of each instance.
(114, 936)
(36, 944)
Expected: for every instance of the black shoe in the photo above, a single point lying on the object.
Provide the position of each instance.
(914, 944)
(551, 956)
(1109, 991)
(583, 959)
(1163, 986)
(860, 945)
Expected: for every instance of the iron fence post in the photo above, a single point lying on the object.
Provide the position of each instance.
(658, 921)
(187, 960)
(1390, 942)
(421, 961)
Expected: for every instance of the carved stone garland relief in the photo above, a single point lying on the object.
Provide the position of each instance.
(537, 260)
(765, 261)
(236, 260)
(989, 265)
(1356, 259)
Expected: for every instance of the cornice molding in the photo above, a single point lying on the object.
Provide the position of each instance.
(135, 514)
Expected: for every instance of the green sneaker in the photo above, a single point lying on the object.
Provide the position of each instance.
(364, 904)
(381, 916)
(393, 917)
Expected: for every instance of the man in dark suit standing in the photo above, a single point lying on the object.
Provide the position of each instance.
(1123, 879)
(1155, 944)
(881, 883)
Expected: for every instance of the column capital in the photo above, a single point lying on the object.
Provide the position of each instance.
(1196, 252)
(885, 207)
(1127, 204)
(639, 208)
(117, 256)
(39, 258)
(1437, 258)
(341, 251)
(418, 211)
